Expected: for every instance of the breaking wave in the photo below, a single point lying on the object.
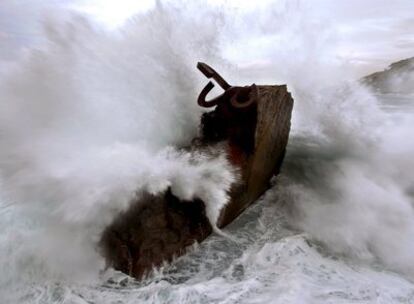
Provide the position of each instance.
(91, 119)
(88, 123)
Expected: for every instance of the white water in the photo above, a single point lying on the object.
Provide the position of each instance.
(86, 124)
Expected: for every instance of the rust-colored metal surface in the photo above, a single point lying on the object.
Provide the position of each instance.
(270, 138)
(253, 122)
(238, 97)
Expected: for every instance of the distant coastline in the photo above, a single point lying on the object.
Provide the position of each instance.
(397, 78)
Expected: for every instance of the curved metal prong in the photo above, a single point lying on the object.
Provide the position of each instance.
(209, 72)
(202, 102)
(244, 97)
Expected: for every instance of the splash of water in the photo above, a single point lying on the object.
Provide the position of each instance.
(348, 168)
(85, 124)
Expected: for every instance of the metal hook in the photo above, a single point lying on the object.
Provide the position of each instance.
(209, 72)
(202, 102)
(239, 97)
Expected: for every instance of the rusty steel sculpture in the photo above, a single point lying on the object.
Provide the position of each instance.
(234, 116)
(239, 97)
(253, 122)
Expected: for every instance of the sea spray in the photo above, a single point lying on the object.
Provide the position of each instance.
(347, 186)
(83, 118)
(86, 124)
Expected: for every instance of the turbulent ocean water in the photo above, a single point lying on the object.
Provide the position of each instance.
(91, 117)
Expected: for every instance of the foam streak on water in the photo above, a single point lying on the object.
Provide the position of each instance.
(87, 123)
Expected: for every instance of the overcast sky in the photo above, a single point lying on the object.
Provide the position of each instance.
(376, 32)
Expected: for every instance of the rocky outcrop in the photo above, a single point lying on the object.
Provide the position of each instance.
(158, 228)
(397, 78)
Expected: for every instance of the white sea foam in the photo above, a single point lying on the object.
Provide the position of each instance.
(86, 126)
